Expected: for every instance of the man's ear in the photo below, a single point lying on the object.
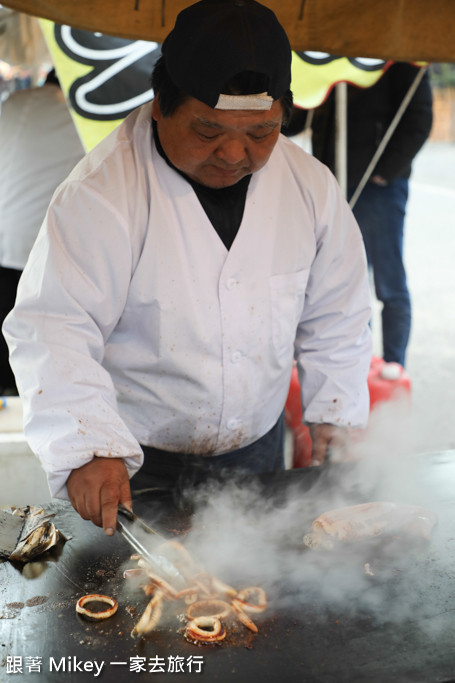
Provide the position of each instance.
(156, 109)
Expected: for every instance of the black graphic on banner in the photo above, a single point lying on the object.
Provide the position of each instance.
(120, 78)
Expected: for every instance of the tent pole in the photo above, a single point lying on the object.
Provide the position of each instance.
(341, 135)
(388, 134)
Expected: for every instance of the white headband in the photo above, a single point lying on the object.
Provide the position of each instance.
(261, 101)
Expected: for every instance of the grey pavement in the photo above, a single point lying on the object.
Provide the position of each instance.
(430, 258)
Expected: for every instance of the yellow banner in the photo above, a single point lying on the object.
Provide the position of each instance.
(314, 74)
(104, 78)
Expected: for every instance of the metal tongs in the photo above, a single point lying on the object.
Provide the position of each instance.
(141, 538)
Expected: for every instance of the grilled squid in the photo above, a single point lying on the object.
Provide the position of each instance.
(94, 597)
(209, 601)
(242, 616)
(151, 616)
(208, 608)
(370, 520)
(205, 629)
(252, 599)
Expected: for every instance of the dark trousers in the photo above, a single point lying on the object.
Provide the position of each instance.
(164, 470)
(9, 279)
(380, 213)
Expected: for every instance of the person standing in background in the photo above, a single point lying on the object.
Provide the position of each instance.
(39, 146)
(381, 207)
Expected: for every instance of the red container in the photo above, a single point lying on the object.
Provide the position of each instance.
(301, 439)
(386, 381)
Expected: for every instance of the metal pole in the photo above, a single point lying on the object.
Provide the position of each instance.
(341, 136)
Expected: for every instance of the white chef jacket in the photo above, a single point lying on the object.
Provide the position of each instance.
(135, 325)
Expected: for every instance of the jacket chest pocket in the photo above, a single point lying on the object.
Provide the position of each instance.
(287, 296)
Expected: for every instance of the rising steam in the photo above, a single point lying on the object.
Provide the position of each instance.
(248, 535)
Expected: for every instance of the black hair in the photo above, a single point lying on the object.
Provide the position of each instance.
(171, 97)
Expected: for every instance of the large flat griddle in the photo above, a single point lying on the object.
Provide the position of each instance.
(311, 643)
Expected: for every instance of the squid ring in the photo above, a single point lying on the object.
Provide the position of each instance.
(252, 599)
(208, 608)
(104, 614)
(206, 629)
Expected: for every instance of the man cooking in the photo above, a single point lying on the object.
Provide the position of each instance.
(181, 268)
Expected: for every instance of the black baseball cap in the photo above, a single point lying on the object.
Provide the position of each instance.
(215, 40)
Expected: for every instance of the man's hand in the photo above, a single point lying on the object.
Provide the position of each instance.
(97, 488)
(328, 439)
(378, 180)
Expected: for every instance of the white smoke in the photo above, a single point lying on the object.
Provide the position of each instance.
(247, 535)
